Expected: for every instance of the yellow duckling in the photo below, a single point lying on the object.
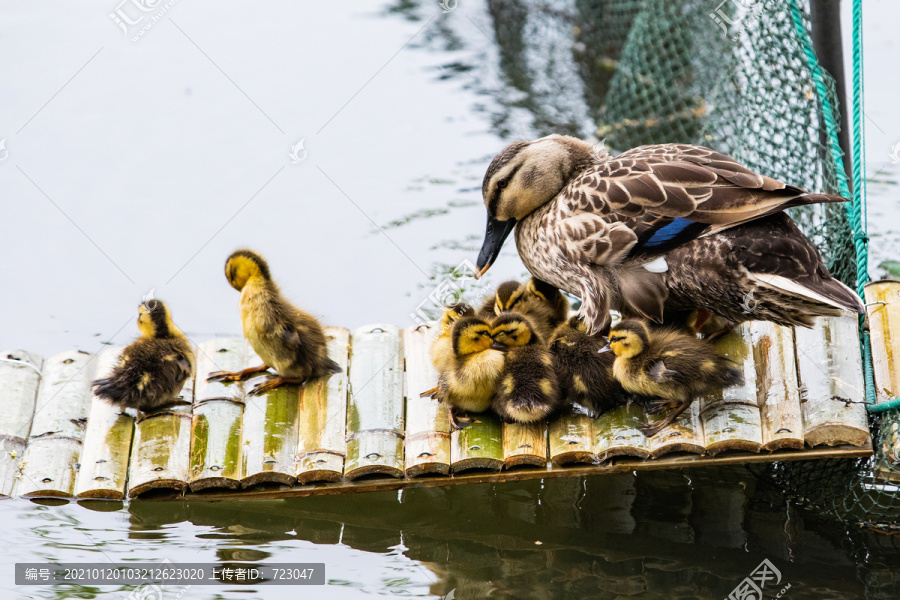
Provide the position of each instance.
(288, 340)
(528, 389)
(152, 369)
(585, 374)
(669, 366)
(442, 348)
(469, 385)
(541, 302)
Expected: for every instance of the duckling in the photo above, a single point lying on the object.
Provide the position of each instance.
(668, 365)
(469, 385)
(585, 375)
(288, 340)
(541, 302)
(152, 369)
(442, 348)
(528, 390)
(503, 299)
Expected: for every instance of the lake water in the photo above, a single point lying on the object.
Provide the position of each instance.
(140, 165)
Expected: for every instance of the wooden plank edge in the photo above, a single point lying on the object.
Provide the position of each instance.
(625, 465)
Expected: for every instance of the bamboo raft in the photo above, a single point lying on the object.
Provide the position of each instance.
(367, 429)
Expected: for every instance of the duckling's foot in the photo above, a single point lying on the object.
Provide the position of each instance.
(657, 406)
(459, 420)
(274, 382)
(651, 430)
(236, 375)
(429, 393)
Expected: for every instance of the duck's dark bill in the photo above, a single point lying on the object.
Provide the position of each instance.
(496, 234)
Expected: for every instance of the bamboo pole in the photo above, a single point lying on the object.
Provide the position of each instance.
(50, 460)
(525, 444)
(478, 446)
(427, 447)
(161, 449)
(217, 417)
(572, 440)
(375, 411)
(777, 390)
(829, 368)
(731, 417)
(20, 376)
(684, 434)
(107, 442)
(617, 433)
(883, 310)
(270, 430)
(321, 447)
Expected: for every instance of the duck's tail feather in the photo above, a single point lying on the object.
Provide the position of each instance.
(828, 292)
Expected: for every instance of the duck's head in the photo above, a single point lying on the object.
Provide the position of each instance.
(629, 338)
(243, 265)
(522, 178)
(155, 321)
(513, 329)
(471, 335)
(542, 290)
(507, 296)
(454, 312)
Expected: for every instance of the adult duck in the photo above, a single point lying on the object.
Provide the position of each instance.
(599, 227)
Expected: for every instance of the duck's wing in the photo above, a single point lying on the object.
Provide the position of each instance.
(669, 194)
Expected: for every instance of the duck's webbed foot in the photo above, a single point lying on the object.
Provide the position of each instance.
(651, 430)
(275, 382)
(236, 375)
(459, 419)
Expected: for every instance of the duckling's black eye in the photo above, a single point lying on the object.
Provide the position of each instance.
(502, 183)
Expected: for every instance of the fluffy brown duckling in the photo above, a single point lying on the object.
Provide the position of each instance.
(585, 374)
(669, 366)
(152, 369)
(469, 386)
(528, 389)
(541, 302)
(288, 340)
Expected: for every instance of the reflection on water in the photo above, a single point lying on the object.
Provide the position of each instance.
(688, 534)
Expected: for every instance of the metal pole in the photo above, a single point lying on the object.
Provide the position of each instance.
(825, 18)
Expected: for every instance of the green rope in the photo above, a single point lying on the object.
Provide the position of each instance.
(856, 210)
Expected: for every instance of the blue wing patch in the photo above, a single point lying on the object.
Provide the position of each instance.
(668, 233)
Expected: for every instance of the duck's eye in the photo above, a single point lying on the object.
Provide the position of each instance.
(502, 183)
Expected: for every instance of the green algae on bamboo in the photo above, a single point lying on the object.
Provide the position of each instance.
(427, 447)
(572, 439)
(321, 442)
(107, 442)
(375, 416)
(479, 445)
(731, 416)
(617, 433)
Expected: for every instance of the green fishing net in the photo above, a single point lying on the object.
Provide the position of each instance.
(733, 75)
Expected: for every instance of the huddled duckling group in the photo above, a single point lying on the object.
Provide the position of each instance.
(502, 359)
